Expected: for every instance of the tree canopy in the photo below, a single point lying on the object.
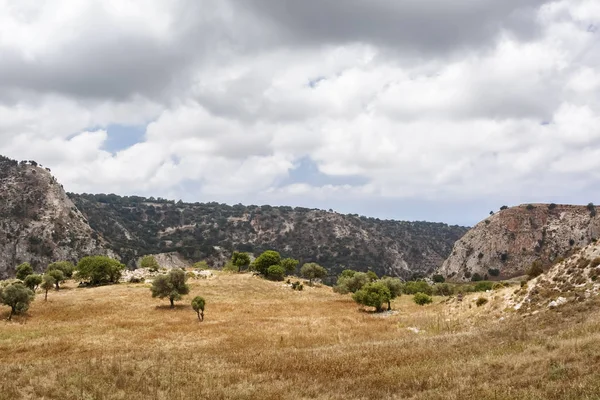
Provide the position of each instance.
(24, 270)
(265, 260)
(99, 270)
(171, 286)
(198, 304)
(313, 271)
(373, 294)
(17, 296)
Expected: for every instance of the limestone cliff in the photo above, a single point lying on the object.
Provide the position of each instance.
(507, 243)
(38, 222)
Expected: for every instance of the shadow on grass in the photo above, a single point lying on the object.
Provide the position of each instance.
(178, 307)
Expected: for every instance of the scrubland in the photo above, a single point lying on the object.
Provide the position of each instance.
(261, 340)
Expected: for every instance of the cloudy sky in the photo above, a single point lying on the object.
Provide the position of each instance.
(435, 110)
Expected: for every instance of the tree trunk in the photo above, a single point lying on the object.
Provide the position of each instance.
(12, 311)
(202, 315)
(57, 286)
(198, 312)
(172, 302)
(46, 297)
(389, 305)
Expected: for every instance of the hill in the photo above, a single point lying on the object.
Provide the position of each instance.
(38, 222)
(261, 340)
(508, 242)
(135, 226)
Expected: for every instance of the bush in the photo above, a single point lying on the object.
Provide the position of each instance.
(150, 263)
(290, 265)
(97, 270)
(58, 277)
(201, 265)
(395, 287)
(23, 271)
(484, 286)
(276, 273)
(312, 271)
(265, 260)
(17, 297)
(481, 301)
(135, 279)
(552, 206)
(372, 276)
(443, 289)
(422, 299)
(33, 281)
(171, 286)
(240, 260)
(476, 277)
(530, 207)
(297, 286)
(414, 287)
(198, 304)
(535, 270)
(439, 278)
(373, 294)
(494, 272)
(503, 208)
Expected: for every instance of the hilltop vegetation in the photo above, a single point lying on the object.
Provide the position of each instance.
(136, 226)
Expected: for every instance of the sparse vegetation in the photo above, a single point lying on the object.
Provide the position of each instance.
(422, 299)
(172, 286)
(481, 301)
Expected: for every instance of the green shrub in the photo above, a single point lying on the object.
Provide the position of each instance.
(276, 273)
(481, 301)
(48, 283)
(171, 286)
(290, 265)
(297, 286)
(58, 277)
(240, 260)
(97, 270)
(476, 277)
(443, 289)
(198, 304)
(372, 276)
(66, 267)
(438, 278)
(150, 263)
(23, 271)
(33, 281)
(422, 299)
(312, 271)
(413, 287)
(200, 265)
(373, 294)
(265, 260)
(494, 272)
(17, 296)
(484, 286)
(350, 283)
(231, 268)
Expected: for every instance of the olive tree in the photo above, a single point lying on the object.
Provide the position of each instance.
(17, 296)
(48, 282)
(395, 287)
(312, 271)
(290, 265)
(98, 270)
(66, 267)
(33, 281)
(350, 282)
(23, 271)
(58, 277)
(198, 305)
(171, 286)
(240, 260)
(373, 294)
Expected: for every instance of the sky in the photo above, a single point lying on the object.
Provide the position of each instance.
(437, 110)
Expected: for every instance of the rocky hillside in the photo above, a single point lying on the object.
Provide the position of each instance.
(507, 243)
(135, 226)
(38, 222)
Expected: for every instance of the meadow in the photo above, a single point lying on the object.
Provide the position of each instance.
(262, 340)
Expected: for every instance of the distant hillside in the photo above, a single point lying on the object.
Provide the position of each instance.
(135, 226)
(38, 222)
(511, 240)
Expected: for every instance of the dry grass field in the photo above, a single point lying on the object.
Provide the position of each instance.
(261, 340)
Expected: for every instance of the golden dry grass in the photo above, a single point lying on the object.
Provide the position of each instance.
(261, 340)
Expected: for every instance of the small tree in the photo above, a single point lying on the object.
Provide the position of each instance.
(171, 285)
(99, 270)
(438, 278)
(422, 299)
(58, 277)
(17, 297)
(198, 305)
(265, 260)
(66, 267)
(276, 273)
(290, 265)
(395, 287)
(373, 294)
(150, 263)
(48, 282)
(312, 271)
(201, 265)
(23, 271)
(33, 281)
(350, 282)
(240, 260)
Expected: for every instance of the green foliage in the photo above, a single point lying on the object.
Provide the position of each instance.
(313, 271)
(201, 265)
(373, 294)
(16, 296)
(58, 277)
(438, 278)
(265, 260)
(530, 207)
(198, 304)
(443, 289)
(297, 286)
(150, 263)
(481, 301)
(240, 260)
(395, 287)
(290, 265)
(535, 270)
(231, 268)
(66, 267)
(171, 286)
(24, 270)
(476, 277)
(97, 270)
(48, 283)
(372, 276)
(414, 287)
(484, 286)
(350, 282)
(422, 299)
(33, 281)
(275, 273)
(348, 273)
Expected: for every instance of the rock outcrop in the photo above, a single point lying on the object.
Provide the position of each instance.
(507, 243)
(38, 222)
